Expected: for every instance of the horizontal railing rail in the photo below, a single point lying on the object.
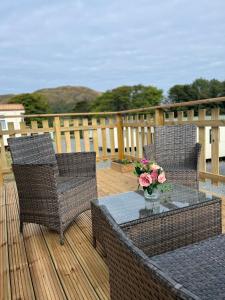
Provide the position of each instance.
(123, 134)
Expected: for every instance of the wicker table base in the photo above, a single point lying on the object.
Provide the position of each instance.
(168, 230)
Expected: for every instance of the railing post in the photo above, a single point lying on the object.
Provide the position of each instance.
(119, 121)
(202, 161)
(1, 177)
(159, 117)
(57, 135)
(215, 112)
(3, 161)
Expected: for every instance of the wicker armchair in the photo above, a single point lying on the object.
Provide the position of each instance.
(176, 150)
(196, 271)
(53, 188)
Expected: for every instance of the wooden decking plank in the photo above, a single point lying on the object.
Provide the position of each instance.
(70, 272)
(73, 271)
(21, 283)
(91, 262)
(118, 183)
(45, 281)
(45, 278)
(84, 223)
(5, 288)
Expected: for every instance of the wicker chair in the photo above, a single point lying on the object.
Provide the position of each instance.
(176, 150)
(53, 188)
(196, 271)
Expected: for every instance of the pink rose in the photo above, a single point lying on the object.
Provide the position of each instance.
(145, 179)
(161, 177)
(155, 167)
(154, 176)
(144, 161)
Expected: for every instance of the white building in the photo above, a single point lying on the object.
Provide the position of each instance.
(11, 113)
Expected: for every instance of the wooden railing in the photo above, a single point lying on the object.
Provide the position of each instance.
(123, 134)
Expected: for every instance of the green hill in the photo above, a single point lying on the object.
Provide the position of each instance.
(5, 98)
(62, 99)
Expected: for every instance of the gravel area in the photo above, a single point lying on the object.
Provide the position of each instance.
(222, 167)
(220, 189)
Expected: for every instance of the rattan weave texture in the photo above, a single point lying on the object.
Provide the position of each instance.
(176, 151)
(160, 232)
(53, 189)
(199, 267)
(132, 274)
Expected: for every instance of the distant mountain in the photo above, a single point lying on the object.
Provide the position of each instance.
(62, 99)
(5, 98)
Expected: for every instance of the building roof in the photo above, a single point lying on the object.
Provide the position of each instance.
(10, 107)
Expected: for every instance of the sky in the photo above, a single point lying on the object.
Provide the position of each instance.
(103, 44)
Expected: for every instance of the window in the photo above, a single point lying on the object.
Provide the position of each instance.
(3, 124)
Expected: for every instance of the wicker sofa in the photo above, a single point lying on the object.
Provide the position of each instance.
(53, 188)
(196, 271)
(176, 150)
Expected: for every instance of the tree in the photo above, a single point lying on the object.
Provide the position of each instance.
(128, 97)
(180, 93)
(33, 103)
(82, 106)
(199, 89)
(217, 88)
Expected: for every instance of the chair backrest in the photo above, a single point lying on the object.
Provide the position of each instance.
(133, 275)
(36, 149)
(174, 143)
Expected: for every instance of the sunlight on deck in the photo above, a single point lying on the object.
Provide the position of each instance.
(35, 266)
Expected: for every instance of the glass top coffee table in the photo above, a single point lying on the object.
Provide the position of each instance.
(179, 217)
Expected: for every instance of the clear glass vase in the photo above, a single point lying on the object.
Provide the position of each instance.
(153, 196)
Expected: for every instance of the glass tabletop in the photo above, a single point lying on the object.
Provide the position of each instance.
(130, 206)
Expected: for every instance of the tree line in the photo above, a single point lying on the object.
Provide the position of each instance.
(138, 96)
(129, 97)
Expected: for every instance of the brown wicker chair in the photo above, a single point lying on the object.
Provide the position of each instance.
(53, 188)
(196, 271)
(176, 151)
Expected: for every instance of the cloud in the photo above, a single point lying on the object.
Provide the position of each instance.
(103, 44)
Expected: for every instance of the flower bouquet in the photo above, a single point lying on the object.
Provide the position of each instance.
(151, 178)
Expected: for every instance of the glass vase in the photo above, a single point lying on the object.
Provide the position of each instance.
(153, 196)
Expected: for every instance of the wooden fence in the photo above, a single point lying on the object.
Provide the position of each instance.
(123, 134)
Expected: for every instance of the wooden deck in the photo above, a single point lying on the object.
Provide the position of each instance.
(35, 266)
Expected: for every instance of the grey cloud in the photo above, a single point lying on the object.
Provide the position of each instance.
(103, 44)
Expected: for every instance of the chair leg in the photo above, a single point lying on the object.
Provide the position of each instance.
(62, 239)
(94, 243)
(21, 227)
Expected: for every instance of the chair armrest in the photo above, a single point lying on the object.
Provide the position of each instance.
(35, 180)
(149, 151)
(81, 164)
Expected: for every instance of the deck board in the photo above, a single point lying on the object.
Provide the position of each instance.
(21, 283)
(5, 286)
(71, 274)
(36, 266)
